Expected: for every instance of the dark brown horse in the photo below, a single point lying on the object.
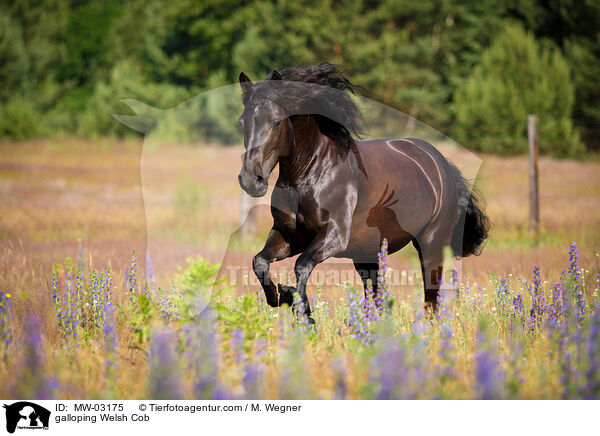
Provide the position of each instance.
(339, 197)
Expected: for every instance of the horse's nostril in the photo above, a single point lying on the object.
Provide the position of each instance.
(260, 179)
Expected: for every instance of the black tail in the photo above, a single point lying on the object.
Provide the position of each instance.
(472, 225)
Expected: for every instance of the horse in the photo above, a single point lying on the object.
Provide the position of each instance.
(339, 196)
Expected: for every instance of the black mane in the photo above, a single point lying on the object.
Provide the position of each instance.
(319, 91)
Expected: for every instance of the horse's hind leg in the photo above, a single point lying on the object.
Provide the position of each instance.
(366, 271)
(431, 256)
(276, 248)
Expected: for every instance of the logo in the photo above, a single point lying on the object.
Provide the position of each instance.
(26, 415)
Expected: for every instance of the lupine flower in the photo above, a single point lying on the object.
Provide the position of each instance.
(67, 300)
(107, 284)
(389, 372)
(131, 279)
(202, 355)
(237, 346)
(591, 356)
(97, 305)
(357, 322)
(503, 297)
(78, 316)
(164, 381)
(557, 307)
(519, 310)
(340, 375)
(168, 304)
(371, 311)
(6, 316)
(295, 383)
(33, 382)
(253, 380)
(538, 299)
(383, 291)
(446, 352)
(111, 342)
(575, 273)
(150, 278)
(58, 304)
(254, 371)
(489, 377)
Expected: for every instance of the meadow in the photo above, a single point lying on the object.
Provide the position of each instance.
(82, 315)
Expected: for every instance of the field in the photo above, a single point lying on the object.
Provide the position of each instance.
(137, 332)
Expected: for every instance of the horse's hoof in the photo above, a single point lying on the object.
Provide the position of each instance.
(286, 294)
(310, 321)
(430, 306)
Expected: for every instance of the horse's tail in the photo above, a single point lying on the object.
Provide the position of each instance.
(472, 225)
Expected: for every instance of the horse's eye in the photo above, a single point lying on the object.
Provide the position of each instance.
(275, 124)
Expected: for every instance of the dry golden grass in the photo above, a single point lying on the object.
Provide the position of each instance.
(57, 193)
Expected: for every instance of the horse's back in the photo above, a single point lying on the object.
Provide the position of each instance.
(402, 186)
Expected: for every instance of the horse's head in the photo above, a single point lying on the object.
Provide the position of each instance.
(268, 136)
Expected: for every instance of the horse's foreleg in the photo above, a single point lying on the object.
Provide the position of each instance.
(276, 248)
(329, 241)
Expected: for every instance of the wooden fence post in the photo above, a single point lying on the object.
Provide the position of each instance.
(534, 211)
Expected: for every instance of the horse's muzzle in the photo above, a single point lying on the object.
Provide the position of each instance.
(255, 187)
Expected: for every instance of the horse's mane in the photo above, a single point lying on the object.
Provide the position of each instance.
(319, 91)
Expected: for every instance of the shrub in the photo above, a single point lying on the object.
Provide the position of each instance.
(518, 76)
(19, 119)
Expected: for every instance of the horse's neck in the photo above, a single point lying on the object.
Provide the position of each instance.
(310, 151)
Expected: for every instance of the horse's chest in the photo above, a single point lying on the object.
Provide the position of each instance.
(301, 222)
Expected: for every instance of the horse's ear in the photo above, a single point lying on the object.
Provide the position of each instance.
(274, 75)
(245, 80)
(246, 85)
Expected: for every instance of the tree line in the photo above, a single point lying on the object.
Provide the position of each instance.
(471, 69)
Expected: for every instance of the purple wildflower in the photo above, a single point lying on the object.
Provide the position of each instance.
(489, 377)
(131, 279)
(202, 355)
(503, 297)
(446, 352)
(6, 316)
(557, 307)
(518, 310)
(295, 384)
(111, 342)
(237, 346)
(357, 322)
(390, 375)
(538, 299)
(383, 291)
(164, 380)
(575, 273)
(33, 382)
(150, 278)
(253, 373)
(340, 374)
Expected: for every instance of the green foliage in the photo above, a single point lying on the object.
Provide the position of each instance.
(142, 316)
(72, 62)
(19, 118)
(13, 58)
(196, 283)
(88, 54)
(518, 76)
(245, 315)
(584, 57)
(125, 81)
